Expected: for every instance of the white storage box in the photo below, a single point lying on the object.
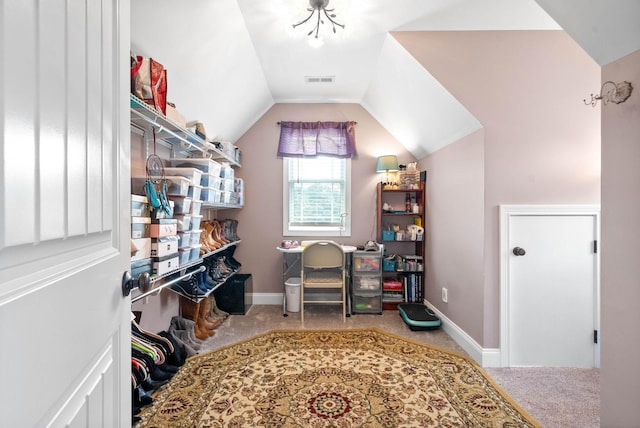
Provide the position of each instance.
(195, 222)
(210, 180)
(226, 171)
(162, 247)
(165, 264)
(225, 197)
(195, 207)
(194, 175)
(195, 237)
(160, 213)
(184, 221)
(195, 253)
(164, 227)
(184, 254)
(177, 185)
(140, 249)
(207, 166)
(238, 185)
(228, 185)
(210, 195)
(182, 204)
(140, 227)
(184, 238)
(194, 192)
(139, 206)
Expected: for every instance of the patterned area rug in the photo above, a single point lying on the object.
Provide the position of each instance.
(332, 378)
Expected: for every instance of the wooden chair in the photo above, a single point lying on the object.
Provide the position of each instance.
(323, 274)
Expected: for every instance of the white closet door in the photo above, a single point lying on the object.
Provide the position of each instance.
(64, 205)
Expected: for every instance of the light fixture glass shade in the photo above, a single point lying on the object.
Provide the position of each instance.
(387, 163)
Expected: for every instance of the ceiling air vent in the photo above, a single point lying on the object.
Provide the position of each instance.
(319, 79)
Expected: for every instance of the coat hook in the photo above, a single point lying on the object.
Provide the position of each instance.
(617, 94)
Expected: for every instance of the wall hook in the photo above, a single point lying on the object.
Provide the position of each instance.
(611, 92)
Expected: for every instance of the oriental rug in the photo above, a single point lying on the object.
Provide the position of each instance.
(332, 378)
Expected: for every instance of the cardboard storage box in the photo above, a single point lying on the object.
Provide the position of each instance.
(139, 206)
(164, 227)
(140, 249)
(162, 265)
(140, 227)
(166, 246)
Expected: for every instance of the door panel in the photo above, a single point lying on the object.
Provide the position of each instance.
(64, 205)
(552, 290)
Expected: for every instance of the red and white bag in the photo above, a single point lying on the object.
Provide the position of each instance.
(149, 82)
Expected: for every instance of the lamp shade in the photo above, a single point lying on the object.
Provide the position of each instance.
(387, 163)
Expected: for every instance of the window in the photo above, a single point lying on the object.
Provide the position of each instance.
(317, 196)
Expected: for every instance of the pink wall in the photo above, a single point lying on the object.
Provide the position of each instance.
(455, 229)
(542, 145)
(260, 221)
(620, 308)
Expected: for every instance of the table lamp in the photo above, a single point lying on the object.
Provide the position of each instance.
(386, 164)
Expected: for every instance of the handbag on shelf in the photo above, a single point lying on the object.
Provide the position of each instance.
(149, 82)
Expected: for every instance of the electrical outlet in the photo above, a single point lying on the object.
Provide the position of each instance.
(445, 295)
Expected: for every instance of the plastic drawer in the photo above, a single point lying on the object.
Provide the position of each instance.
(366, 262)
(366, 283)
(366, 304)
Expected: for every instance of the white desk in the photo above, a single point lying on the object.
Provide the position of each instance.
(291, 258)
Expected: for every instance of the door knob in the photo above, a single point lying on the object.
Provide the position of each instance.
(129, 283)
(519, 251)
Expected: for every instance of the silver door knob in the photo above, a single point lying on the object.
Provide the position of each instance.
(519, 251)
(129, 283)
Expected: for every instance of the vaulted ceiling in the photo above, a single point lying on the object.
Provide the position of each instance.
(229, 61)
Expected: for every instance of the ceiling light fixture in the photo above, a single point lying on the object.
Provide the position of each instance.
(320, 6)
(617, 94)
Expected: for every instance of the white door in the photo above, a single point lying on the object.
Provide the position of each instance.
(551, 287)
(64, 204)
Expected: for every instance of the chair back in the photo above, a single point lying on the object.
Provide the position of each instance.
(322, 255)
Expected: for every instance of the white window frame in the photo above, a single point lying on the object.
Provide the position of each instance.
(343, 231)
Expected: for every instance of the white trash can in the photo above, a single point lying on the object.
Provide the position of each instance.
(292, 288)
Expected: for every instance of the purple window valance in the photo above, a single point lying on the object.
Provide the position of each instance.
(308, 139)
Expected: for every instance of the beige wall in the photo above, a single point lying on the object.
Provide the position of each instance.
(620, 308)
(541, 143)
(260, 221)
(455, 230)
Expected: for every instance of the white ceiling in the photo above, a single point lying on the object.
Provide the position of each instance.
(229, 61)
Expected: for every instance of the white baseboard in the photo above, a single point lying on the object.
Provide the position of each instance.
(485, 357)
(268, 298)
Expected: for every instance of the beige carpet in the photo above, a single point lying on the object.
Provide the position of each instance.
(332, 378)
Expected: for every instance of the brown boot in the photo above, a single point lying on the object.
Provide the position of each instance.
(203, 318)
(216, 312)
(190, 310)
(208, 234)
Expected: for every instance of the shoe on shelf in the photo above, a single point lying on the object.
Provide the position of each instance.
(188, 288)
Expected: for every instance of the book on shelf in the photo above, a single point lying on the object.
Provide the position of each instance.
(391, 284)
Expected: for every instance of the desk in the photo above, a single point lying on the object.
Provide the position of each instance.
(291, 258)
